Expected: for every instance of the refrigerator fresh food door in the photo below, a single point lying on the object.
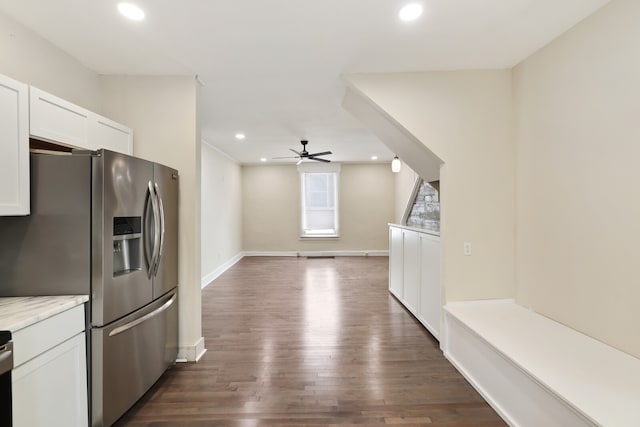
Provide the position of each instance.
(120, 283)
(133, 353)
(166, 269)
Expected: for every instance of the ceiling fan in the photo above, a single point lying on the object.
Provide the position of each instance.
(304, 154)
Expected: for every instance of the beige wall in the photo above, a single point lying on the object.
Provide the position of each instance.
(404, 183)
(578, 204)
(221, 209)
(29, 58)
(271, 209)
(163, 111)
(464, 118)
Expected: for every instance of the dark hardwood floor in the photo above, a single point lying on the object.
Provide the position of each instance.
(308, 342)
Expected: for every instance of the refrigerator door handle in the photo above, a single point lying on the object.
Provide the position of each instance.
(136, 322)
(160, 249)
(156, 230)
(148, 251)
(152, 254)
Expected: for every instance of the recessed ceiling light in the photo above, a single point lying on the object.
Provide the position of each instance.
(131, 11)
(410, 12)
(374, 157)
(240, 136)
(263, 159)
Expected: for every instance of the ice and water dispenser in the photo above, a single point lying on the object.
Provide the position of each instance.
(127, 232)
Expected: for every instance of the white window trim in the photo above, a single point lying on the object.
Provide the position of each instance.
(308, 167)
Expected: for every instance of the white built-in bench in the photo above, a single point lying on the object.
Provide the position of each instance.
(537, 372)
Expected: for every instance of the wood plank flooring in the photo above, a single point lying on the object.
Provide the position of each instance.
(309, 342)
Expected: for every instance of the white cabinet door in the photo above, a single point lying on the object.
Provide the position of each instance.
(51, 389)
(14, 147)
(395, 261)
(430, 298)
(411, 269)
(105, 133)
(56, 120)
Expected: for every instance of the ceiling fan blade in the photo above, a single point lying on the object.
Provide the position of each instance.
(324, 153)
(290, 157)
(299, 161)
(317, 159)
(291, 149)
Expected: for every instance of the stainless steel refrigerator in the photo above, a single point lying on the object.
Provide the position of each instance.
(103, 224)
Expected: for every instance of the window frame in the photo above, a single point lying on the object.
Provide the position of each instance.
(331, 169)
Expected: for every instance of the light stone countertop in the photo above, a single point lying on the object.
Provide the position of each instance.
(19, 312)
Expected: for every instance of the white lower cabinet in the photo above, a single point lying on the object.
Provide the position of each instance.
(430, 290)
(49, 380)
(411, 270)
(395, 261)
(414, 274)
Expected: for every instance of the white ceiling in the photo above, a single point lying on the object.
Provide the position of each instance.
(272, 68)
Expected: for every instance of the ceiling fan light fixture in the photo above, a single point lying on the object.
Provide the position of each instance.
(410, 12)
(304, 154)
(396, 165)
(131, 11)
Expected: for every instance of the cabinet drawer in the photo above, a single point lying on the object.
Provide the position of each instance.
(41, 336)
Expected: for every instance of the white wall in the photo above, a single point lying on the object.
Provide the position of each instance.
(27, 57)
(578, 172)
(464, 118)
(271, 209)
(163, 111)
(221, 211)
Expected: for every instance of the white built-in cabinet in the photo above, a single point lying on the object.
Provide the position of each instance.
(56, 120)
(395, 261)
(414, 273)
(14, 147)
(49, 379)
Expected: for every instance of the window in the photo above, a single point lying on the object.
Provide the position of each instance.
(319, 194)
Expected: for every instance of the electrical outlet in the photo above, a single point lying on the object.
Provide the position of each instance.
(467, 248)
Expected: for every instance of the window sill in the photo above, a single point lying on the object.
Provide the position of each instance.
(321, 237)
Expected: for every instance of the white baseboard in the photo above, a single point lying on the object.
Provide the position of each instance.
(318, 253)
(218, 271)
(191, 353)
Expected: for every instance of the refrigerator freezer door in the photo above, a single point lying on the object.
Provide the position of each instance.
(120, 190)
(132, 353)
(166, 183)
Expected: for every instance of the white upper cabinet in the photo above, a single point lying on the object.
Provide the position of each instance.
(55, 120)
(14, 147)
(105, 133)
